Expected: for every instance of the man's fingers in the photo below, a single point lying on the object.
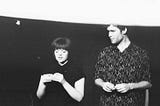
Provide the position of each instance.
(124, 91)
(107, 89)
(120, 90)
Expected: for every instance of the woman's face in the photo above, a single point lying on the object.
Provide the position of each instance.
(61, 55)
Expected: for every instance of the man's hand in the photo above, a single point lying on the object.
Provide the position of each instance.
(122, 88)
(108, 87)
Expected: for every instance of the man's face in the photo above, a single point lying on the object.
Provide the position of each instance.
(61, 55)
(114, 34)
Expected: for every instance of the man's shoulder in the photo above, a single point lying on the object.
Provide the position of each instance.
(138, 49)
(107, 48)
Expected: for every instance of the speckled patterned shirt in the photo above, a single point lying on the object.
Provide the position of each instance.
(130, 66)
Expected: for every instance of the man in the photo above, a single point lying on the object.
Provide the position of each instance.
(122, 71)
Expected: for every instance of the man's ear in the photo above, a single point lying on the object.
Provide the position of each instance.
(124, 31)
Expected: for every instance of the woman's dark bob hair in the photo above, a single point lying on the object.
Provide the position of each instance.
(61, 43)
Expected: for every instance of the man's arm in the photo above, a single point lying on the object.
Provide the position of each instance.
(106, 86)
(99, 82)
(124, 87)
(142, 85)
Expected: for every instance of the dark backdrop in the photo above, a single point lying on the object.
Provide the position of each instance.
(24, 52)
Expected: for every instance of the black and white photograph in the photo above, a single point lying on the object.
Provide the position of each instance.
(79, 53)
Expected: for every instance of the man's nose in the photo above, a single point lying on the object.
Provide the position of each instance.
(109, 35)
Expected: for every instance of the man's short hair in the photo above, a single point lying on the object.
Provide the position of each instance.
(121, 27)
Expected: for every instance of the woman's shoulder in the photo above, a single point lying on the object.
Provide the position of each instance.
(76, 64)
(77, 68)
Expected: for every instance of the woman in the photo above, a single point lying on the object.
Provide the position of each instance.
(62, 83)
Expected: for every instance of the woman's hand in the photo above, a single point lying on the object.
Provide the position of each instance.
(46, 78)
(58, 77)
